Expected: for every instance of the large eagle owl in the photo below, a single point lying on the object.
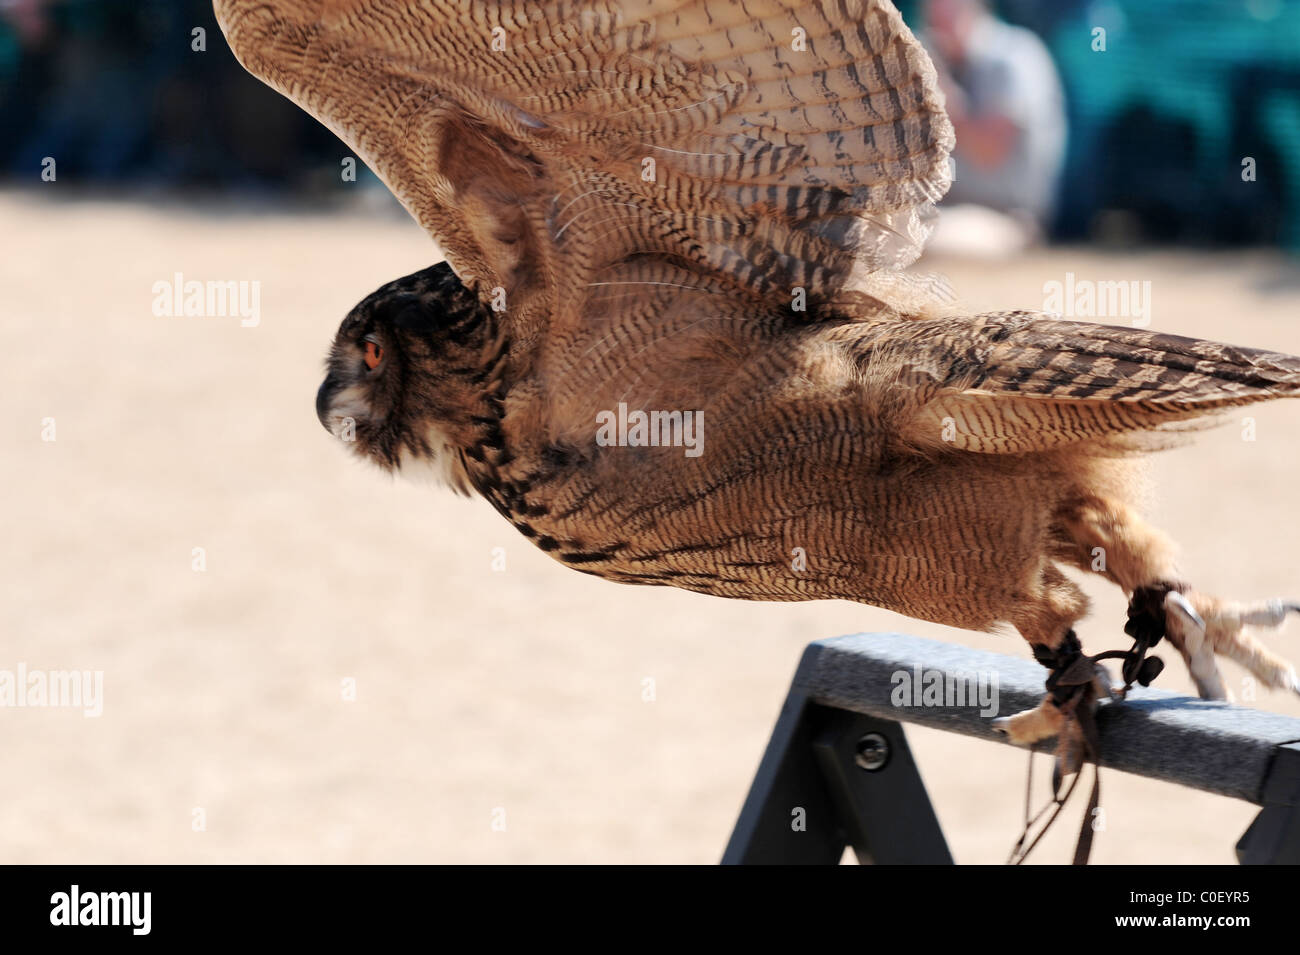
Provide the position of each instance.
(674, 342)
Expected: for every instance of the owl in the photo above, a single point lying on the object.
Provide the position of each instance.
(675, 341)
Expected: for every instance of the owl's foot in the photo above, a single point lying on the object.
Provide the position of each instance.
(1202, 627)
(1029, 726)
(1199, 626)
(1075, 683)
(1045, 720)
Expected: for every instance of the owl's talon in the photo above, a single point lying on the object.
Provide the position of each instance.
(1269, 614)
(1030, 726)
(1176, 601)
(1204, 628)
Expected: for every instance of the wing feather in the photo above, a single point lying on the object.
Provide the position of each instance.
(778, 145)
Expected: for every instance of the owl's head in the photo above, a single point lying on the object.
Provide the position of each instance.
(399, 386)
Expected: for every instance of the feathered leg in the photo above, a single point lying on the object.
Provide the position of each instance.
(1106, 536)
(1046, 618)
(1140, 559)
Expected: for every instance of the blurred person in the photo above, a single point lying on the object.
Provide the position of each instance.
(28, 18)
(1005, 100)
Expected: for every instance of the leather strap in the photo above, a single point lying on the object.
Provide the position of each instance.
(1072, 687)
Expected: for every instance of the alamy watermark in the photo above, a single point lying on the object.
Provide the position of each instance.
(945, 688)
(77, 907)
(651, 429)
(180, 298)
(83, 689)
(1085, 298)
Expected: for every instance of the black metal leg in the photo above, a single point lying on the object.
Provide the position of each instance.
(1274, 837)
(877, 791)
(831, 778)
(788, 817)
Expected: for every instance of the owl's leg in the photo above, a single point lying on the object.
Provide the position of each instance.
(1070, 673)
(1108, 537)
(1046, 621)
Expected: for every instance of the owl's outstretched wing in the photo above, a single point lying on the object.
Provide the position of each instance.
(767, 146)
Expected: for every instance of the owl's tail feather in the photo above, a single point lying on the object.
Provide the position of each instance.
(1018, 383)
(1080, 361)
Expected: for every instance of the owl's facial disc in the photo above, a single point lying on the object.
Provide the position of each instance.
(386, 394)
(347, 396)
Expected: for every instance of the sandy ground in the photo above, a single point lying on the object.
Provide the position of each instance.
(481, 696)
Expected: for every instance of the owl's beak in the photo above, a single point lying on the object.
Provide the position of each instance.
(324, 398)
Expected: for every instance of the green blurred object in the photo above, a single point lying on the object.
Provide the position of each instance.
(1164, 118)
(1185, 96)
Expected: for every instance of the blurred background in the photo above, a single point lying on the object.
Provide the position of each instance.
(363, 670)
(1161, 108)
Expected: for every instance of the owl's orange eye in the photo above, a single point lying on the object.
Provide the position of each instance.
(374, 355)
